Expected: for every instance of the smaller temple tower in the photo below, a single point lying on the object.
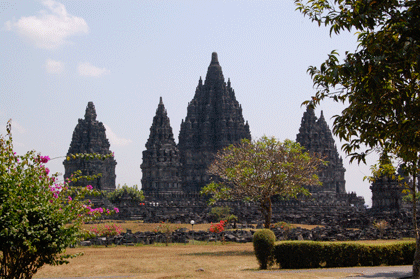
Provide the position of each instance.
(161, 164)
(386, 189)
(89, 137)
(315, 135)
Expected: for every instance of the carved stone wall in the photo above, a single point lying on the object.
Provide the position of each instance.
(89, 137)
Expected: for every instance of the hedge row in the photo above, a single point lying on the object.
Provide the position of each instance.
(305, 254)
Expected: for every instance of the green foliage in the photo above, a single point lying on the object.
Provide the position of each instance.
(125, 191)
(263, 241)
(39, 216)
(258, 170)
(379, 82)
(167, 229)
(232, 218)
(308, 254)
(220, 212)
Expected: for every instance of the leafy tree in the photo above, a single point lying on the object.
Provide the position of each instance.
(379, 82)
(133, 192)
(258, 170)
(39, 216)
(220, 212)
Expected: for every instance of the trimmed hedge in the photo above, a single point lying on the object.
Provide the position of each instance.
(306, 254)
(263, 241)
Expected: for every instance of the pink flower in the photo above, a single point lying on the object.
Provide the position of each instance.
(89, 187)
(44, 159)
(47, 171)
(116, 210)
(70, 199)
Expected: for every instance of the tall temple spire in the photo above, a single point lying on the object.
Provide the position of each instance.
(89, 137)
(214, 120)
(161, 164)
(161, 130)
(214, 77)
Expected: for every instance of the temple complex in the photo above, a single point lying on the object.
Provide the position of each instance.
(173, 174)
(89, 137)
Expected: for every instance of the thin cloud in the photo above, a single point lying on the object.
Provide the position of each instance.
(54, 67)
(114, 139)
(88, 70)
(51, 28)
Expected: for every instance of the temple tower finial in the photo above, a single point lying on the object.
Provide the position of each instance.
(214, 59)
(90, 114)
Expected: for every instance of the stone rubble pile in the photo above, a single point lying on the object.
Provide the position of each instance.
(327, 233)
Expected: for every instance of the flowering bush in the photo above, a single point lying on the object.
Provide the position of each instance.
(110, 229)
(39, 216)
(219, 227)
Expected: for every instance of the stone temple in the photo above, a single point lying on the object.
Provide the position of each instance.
(89, 137)
(214, 120)
(161, 165)
(315, 135)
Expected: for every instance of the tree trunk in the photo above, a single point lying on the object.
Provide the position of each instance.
(416, 261)
(267, 211)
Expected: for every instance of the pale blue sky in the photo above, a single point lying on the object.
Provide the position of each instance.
(56, 56)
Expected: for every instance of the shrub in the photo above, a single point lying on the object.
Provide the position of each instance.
(381, 226)
(264, 247)
(308, 254)
(220, 212)
(134, 193)
(167, 229)
(110, 229)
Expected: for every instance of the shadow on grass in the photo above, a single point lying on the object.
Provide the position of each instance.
(222, 253)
